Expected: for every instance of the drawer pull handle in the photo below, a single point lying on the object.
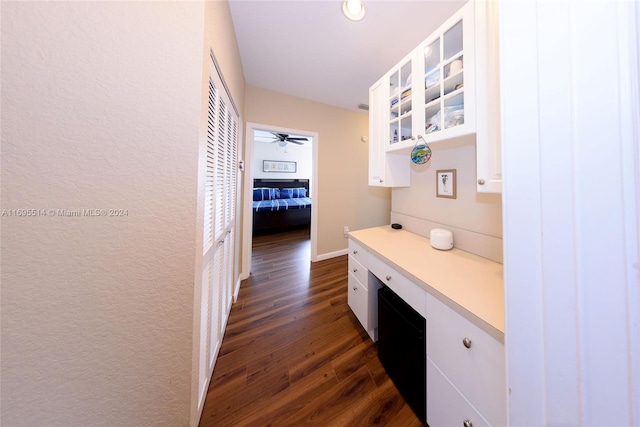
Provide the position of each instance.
(466, 342)
(467, 423)
(355, 251)
(355, 270)
(388, 278)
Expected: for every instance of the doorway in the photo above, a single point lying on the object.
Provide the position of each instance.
(269, 155)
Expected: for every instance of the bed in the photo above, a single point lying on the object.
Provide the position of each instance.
(280, 204)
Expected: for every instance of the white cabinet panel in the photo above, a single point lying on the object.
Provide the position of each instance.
(362, 293)
(446, 407)
(477, 371)
(398, 283)
(488, 136)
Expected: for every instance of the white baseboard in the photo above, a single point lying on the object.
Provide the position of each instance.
(329, 255)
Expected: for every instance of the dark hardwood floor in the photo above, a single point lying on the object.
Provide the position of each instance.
(294, 353)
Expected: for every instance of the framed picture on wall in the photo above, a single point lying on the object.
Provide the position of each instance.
(446, 183)
(279, 166)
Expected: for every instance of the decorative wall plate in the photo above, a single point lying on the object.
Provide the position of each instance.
(421, 154)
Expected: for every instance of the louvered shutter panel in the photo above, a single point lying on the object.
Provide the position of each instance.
(218, 224)
(229, 171)
(207, 309)
(234, 162)
(219, 174)
(210, 167)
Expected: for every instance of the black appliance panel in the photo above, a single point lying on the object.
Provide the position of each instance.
(402, 345)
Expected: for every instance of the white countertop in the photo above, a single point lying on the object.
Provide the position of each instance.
(469, 284)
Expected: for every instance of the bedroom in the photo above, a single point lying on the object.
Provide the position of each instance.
(282, 174)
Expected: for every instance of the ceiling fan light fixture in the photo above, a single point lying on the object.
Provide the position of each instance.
(353, 9)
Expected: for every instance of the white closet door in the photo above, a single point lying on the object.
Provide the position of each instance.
(218, 225)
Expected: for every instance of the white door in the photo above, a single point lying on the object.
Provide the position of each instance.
(218, 225)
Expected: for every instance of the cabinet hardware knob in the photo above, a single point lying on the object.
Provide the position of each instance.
(481, 181)
(466, 342)
(388, 278)
(355, 252)
(467, 423)
(381, 180)
(355, 288)
(355, 270)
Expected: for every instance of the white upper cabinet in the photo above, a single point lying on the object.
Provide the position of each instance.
(432, 90)
(385, 170)
(401, 102)
(446, 88)
(448, 61)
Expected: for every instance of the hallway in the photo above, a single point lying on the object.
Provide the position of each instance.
(294, 353)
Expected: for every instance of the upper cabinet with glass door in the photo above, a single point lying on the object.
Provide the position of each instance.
(401, 103)
(442, 84)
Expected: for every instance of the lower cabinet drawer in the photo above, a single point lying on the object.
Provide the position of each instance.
(358, 270)
(358, 251)
(475, 366)
(358, 299)
(446, 407)
(413, 294)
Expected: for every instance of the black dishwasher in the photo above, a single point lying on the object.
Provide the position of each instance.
(402, 341)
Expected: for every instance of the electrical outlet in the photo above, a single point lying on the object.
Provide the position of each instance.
(345, 231)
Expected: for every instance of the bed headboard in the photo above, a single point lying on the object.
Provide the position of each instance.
(281, 183)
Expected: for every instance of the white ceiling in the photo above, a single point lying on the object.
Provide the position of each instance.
(308, 49)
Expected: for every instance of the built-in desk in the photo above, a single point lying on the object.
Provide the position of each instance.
(462, 298)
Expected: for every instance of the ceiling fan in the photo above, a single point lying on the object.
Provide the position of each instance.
(283, 139)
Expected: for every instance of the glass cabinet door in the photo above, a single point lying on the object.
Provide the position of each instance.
(453, 83)
(444, 81)
(401, 104)
(433, 88)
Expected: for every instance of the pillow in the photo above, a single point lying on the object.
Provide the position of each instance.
(293, 193)
(265, 193)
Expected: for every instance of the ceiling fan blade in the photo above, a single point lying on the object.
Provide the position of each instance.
(297, 139)
(296, 142)
(280, 136)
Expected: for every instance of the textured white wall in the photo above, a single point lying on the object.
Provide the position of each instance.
(100, 110)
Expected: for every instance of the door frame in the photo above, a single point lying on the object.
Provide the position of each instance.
(247, 214)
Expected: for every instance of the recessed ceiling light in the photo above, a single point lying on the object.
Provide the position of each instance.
(353, 9)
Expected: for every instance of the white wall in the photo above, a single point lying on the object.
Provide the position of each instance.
(100, 110)
(481, 213)
(301, 154)
(474, 218)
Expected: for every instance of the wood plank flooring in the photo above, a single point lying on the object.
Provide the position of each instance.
(293, 352)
